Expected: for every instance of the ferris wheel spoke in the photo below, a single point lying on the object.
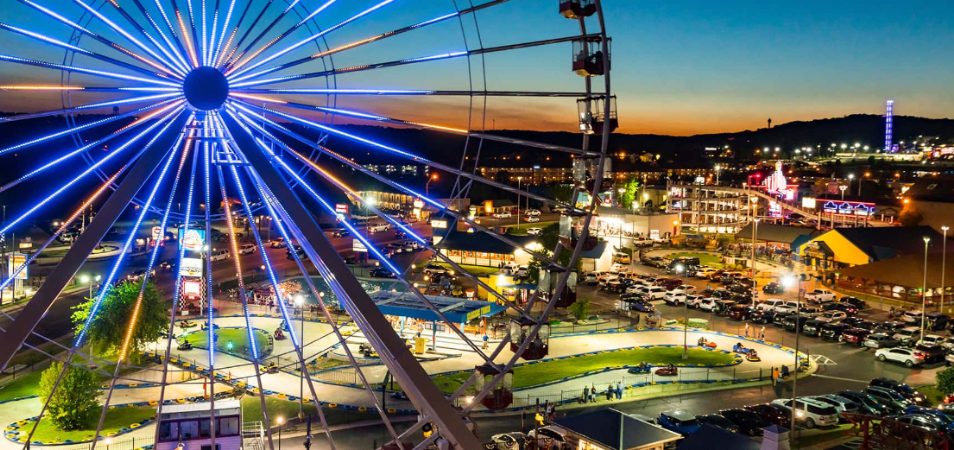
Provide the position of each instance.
(413, 157)
(187, 37)
(172, 50)
(220, 41)
(409, 374)
(84, 70)
(381, 36)
(113, 26)
(225, 54)
(168, 120)
(281, 36)
(75, 109)
(99, 37)
(134, 317)
(193, 30)
(251, 80)
(397, 224)
(233, 243)
(248, 30)
(547, 262)
(234, 69)
(170, 60)
(406, 92)
(295, 340)
(65, 157)
(87, 126)
(82, 51)
(423, 126)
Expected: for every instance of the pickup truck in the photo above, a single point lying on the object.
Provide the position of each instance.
(819, 295)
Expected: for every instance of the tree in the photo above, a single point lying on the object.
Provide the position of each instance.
(580, 308)
(73, 405)
(629, 194)
(108, 329)
(945, 381)
(910, 216)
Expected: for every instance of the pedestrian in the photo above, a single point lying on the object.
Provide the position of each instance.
(586, 395)
(619, 391)
(593, 393)
(746, 329)
(486, 342)
(762, 333)
(609, 392)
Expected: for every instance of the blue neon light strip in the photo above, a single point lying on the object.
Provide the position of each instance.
(94, 167)
(208, 262)
(108, 281)
(78, 69)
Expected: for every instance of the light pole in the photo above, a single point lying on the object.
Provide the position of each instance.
(280, 421)
(432, 177)
(89, 280)
(518, 201)
(842, 188)
(944, 229)
(788, 281)
(300, 304)
(685, 314)
(851, 177)
(718, 168)
(755, 230)
(927, 241)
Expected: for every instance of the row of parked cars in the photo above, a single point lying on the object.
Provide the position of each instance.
(884, 398)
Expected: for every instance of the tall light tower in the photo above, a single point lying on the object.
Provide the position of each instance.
(888, 125)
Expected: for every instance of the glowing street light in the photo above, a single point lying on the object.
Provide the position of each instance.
(927, 241)
(943, 264)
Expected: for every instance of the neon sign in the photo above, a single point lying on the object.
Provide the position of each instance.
(849, 208)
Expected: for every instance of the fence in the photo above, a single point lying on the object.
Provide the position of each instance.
(107, 444)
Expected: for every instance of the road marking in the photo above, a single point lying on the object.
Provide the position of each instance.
(840, 378)
(823, 360)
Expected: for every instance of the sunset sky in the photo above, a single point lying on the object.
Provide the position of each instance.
(679, 67)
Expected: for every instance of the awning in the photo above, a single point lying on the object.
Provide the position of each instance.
(457, 310)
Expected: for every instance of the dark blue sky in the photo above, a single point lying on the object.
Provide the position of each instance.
(680, 67)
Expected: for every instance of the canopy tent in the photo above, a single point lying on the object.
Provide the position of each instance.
(457, 310)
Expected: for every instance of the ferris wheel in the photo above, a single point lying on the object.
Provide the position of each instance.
(389, 121)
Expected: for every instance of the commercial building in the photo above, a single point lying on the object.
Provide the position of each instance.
(933, 199)
(846, 247)
(619, 223)
(611, 429)
(478, 248)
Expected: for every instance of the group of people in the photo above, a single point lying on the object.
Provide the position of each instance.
(778, 374)
(611, 392)
(760, 335)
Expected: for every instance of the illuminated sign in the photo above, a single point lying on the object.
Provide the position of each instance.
(809, 203)
(193, 240)
(849, 208)
(156, 233)
(439, 223)
(341, 208)
(191, 290)
(17, 260)
(358, 247)
(191, 267)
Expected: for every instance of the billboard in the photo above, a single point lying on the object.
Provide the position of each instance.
(358, 247)
(191, 267)
(193, 240)
(15, 261)
(191, 290)
(809, 202)
(156, 233)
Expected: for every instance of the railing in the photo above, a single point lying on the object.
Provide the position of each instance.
(125, 444)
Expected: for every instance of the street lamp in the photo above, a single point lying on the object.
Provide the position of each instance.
(851, 177)
(519, 179)
(842, 188)
(927, 241)
(788, 281)
(718, 168)
(944, 229)
(680, 269)
(280, 421)
(89, 280)
(300, 304)
(427, 185)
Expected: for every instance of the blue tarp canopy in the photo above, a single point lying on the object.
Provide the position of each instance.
(457, 310)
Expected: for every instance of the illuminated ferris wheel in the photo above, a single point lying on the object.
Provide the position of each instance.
(275, 110)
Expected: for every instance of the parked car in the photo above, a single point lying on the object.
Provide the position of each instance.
(381, 272)
(749, 423)
(833, 331)
(740, 312)
(787, 308)
(820, 295)
(949, 358)
(708, 304)
(868, 403)
(278, 242)
(510, 441)
(854, 301)
(937, 321)
(674, 298)
(549, 437)
(704, 272)
(678, 421)
(831, 316)
(840, 403)
(717, 420)
(904, 355)
(247, 249)
(931, 339)
(904, 389)
(773, 288)
(912, 316)
(907, 335)
(812, 327)
(502, 215)
(795, 322)
(772, 414)
(854, 335)
(893, 399)
(847, 308)
(933, 354)
(880, 340)
(810, 412)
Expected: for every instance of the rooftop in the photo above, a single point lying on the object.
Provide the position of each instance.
(616, 430)
(888, 242)
(457, 310)
(770, 232)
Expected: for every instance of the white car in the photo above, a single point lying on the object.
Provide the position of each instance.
(831, 316)
(655, 292)
(769, 304)
(674, 298)
(949, 358)
(787, 308)
(820, 295)
(932, 339)
(247, 249)
(503, 215)
(535, 231)
(708, 304)
(694, 300)
(590, 279)
(684, 289)
(531, 219)
(907, 335)
(907, 356)
(911, 316)
(533, 212)
(219, 255)
(810, 412)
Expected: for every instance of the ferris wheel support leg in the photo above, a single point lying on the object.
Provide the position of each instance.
(415, 382)
(31, 314)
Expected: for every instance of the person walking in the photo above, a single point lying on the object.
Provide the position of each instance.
(762, 333)
(586, 395)
(610, 392)
(593, 393)
(619, 391)
(746, 329)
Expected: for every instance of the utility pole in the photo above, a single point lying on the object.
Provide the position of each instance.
(944, 229)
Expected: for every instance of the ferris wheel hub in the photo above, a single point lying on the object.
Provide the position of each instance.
(206, 88)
